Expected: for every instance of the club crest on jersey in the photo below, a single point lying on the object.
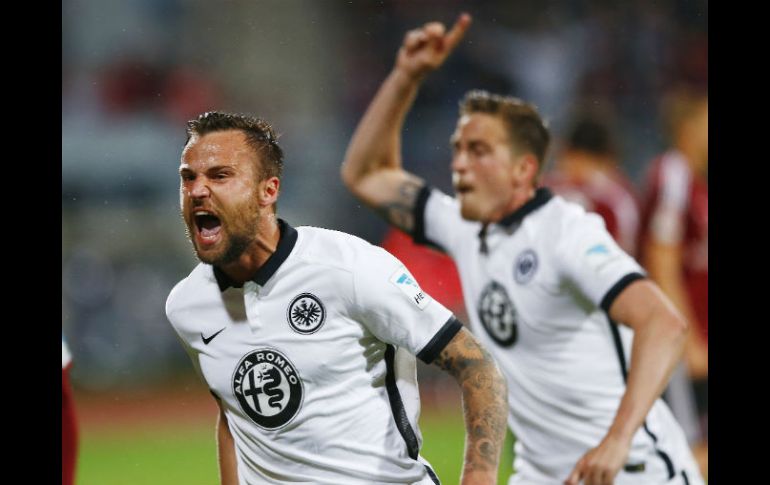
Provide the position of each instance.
(525, 267)
(306, 314)
(498, 315)
(268, 388)
(404, 281)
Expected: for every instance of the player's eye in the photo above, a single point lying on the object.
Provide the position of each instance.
(221, 175)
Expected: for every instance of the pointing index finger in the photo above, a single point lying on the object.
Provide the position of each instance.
(458, 31)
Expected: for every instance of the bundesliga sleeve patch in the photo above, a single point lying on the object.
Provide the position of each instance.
(404, 281)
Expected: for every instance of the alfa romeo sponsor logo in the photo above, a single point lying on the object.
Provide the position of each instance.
(525, 267)
(306, 313)
(498, 315)
(268, 388)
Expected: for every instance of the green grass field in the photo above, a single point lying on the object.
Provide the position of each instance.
(147, 454)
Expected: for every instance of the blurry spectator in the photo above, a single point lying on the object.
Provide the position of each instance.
(674, 240)
(130, 85)
(587, 173)
(69, 435)
(187, 92)
(133, 85)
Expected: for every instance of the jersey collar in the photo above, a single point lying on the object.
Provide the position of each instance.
(511, 221)
(286, 242)
(542, 196)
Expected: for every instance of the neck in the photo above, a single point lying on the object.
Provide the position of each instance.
(257, 253)
(518, 199)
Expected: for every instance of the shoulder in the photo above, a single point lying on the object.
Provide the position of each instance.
(560, 216)
(184, 292)
(561, 224)
(336, 249)
(670, 168)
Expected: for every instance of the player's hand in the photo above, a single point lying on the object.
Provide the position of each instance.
(601, 464)
(426, 48)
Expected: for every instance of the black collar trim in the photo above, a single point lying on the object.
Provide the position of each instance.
(286, 242)
(542, 196)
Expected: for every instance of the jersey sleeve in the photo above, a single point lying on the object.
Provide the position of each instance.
(437, 219)
(390, 303)
(589, 257)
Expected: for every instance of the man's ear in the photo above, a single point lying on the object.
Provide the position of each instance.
(268, 191)
(526, 168)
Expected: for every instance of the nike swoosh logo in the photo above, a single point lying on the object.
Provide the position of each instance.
(207, 340)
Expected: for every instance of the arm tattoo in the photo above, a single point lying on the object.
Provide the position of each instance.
(485, 399)
(400, 211)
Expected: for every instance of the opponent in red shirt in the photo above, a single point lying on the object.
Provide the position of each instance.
(674, 241)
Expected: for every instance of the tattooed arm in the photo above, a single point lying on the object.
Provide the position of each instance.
(372, 169)
(485, 405)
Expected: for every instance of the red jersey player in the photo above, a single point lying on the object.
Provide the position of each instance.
(675, 230)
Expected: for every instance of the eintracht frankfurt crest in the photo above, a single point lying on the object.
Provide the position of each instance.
(306, 313)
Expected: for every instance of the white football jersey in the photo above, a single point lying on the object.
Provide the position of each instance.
(314, 359)
(538, 286)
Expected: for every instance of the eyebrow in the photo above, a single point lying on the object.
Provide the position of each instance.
(186, 168)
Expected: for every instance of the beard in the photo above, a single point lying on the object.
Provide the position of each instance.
(234, 246)
(234, 242)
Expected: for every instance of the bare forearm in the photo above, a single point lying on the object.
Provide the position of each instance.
(376, 142)
(656, 350)
(228, 469)
(485, 407)
(664, 265)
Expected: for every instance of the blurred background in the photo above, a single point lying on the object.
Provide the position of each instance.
(134, 72)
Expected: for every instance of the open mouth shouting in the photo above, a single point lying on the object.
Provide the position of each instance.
(208, 227)
(462, 188)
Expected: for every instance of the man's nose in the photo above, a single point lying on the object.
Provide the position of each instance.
(199, 189)
(459, 162)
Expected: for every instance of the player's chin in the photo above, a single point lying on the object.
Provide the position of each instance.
(209, 254)
(470, 211)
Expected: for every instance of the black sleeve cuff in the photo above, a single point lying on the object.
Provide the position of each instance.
(440, 340)
(617, 288)
(418, 233)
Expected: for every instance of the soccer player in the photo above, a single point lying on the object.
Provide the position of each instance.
(675, 234)
(307, 337)
(69, 430)
(543, 281)
(586, 172)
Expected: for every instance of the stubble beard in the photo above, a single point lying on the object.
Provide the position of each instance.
(235, 244)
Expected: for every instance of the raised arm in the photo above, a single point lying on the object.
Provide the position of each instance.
(372, 169)
(659, 336)
(485, 405)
